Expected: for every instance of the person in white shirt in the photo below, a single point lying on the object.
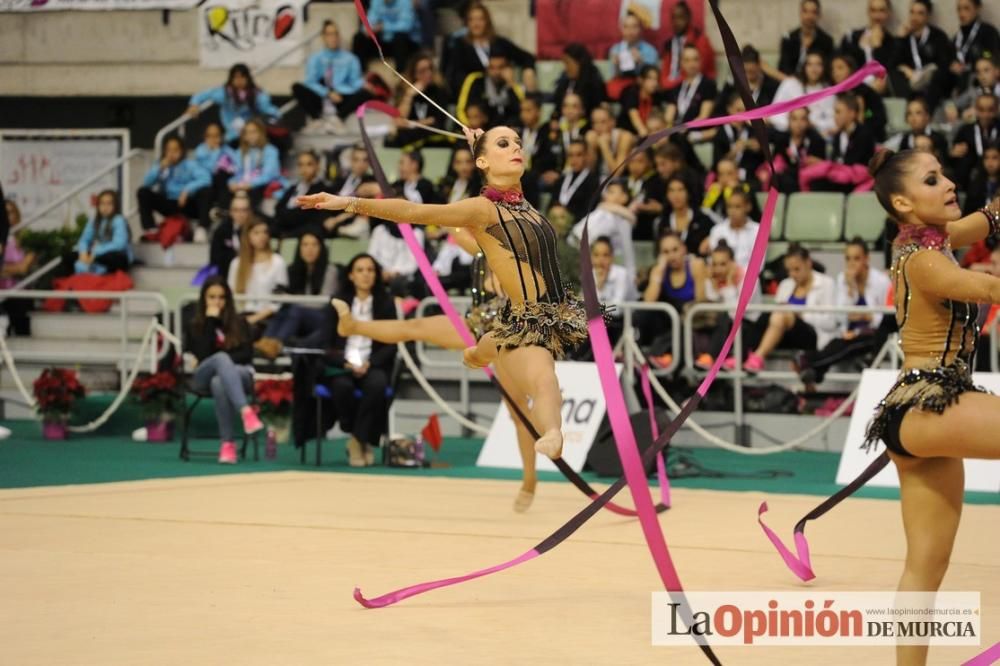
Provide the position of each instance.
(859, 284)
(399, 267)
(613, 220)
(257, 272)
(788, 330)
(614, 286)
(810, 78)
(737, 230)
(722, 285)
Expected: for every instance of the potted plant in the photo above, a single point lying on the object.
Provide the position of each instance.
(157, 393)
(56, 389)
(274, 396)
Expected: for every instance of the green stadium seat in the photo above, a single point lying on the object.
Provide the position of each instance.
(605, 67)
(342, 250)
(645, 254)
(815, 217)
(865, 217)
(776, 250)
(704, 153)
(287, 250)
(548, 72)
(436, 163)
(389, 157)
(895, 111)
(548, 108)
(778, 224)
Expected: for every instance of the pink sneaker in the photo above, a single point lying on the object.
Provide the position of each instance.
(251, 423)
(729, 365)
(754, 363)
(227, 453)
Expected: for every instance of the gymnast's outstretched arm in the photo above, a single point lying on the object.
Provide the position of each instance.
(474, 212)
(973, 227)
(934, 273)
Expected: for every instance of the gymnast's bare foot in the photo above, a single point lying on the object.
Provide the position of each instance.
(474, 357)
(550, 444)
(523, 500)
(345, 322)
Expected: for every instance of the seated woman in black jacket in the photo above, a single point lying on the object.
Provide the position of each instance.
(220, 340)
(368, 363)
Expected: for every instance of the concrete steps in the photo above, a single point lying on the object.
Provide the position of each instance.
(83, 326)
(182, 255)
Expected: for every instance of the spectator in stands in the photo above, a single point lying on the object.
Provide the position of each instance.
(723, 285)
(640, 100)
(975, 38)
(300, 324)
(396, 26)
(576, 186)
(238, 101)
(177, 185)
(413, 108)
(105, 245)
(359, 394)
(453, 264)
(762, 86)
(737, 230)
(918, 117)
(676, 279)
(788, 330)
(333, 86)
(734, 141)
(853, 147)
(972, 138)
(693, 226)
(797, 44)
(985, 185)
(257, 273)
(812, 76)
(872, 112)
(15, 266)
(669, 161)
(536, 145)
(215, 158)
(638, 173)
(861, 285)
(873, 42)
(399, 268)
(357, 182)
(607, 145)
(470, 51)
(987, 80)
(629, 55)
(412, 185)
(611, 219)
(256, 165)
(289, 218)
(614, 287)
(923, 57)
(462, 180)
(477, 116)
(726, 181)
(5, 223)
(496, 89)
(694, 97)
(580, 77)
(220, 341)
(570, 126)
(226, 239)
(799, 147)
(685, 32)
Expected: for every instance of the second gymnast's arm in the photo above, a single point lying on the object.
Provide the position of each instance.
(971, 228)
(474, 212)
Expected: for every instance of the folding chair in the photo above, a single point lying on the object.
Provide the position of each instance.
(185, 424)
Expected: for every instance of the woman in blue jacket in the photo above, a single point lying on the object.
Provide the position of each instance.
(333, 80)
(256, 165)
(239, 101)
(397, 26)
(104, 245)
(175, 185)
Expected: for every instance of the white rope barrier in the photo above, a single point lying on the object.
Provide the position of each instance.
(730, 446)
(435, 396)
(147, 338)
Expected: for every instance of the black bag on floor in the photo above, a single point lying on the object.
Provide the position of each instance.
(603, 456)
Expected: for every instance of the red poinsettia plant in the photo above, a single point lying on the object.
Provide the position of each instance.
(157, 393)
(275, 398)
(56, 389)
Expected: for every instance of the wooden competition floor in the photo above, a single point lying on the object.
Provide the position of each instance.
(259, 569)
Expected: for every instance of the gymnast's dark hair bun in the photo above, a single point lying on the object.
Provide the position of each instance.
(878, 161)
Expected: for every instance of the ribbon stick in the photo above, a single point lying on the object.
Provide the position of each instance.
(431, 278)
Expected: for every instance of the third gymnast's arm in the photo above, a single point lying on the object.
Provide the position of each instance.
(471, 213)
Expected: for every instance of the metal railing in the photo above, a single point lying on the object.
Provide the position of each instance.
(291, 299)
(120, 358)
(179, 122)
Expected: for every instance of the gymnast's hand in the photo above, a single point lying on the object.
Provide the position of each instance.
(323, 201)
(472, 135)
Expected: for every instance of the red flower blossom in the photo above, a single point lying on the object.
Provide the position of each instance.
(56, 389)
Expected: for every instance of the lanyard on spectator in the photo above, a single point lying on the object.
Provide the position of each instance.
(962, 45)
(458, 190)
(676, 48)
(866, 44)
(918, 62)
(483, 53)
(350, 185)
(529, 145)
(979, 138)
(684, 100)
(570, 186)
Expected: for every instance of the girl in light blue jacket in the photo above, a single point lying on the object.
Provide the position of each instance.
(239, 101)
(256, 165)
(104, 246)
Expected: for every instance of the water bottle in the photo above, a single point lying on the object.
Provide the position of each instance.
(271, 448)
(418, 450)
